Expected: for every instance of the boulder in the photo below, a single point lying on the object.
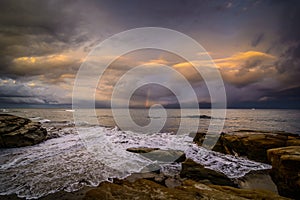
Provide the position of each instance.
(286, 170)
(198, 172)
(249, 143)
(17, 131)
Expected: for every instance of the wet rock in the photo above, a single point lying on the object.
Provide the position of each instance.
(259, 180)
(204, 117)
(285, 170)
(249, 143)
(157, 177)
(201, 136)
(17, 131)
(160, 155)
(141, 149)
(198, 172)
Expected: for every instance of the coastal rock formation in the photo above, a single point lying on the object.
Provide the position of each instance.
(146, 189)
(251, 144)
(17, 131)
(285, 170)
(198, 172)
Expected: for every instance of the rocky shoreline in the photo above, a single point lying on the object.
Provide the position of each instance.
(193, 181)
(18, 132)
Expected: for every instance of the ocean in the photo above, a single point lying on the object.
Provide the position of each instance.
(85, 153)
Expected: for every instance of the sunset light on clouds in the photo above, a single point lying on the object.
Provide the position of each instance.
(254, 44)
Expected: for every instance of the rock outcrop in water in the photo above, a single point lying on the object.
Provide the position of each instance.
(280, 149)
(285, 170)
(17, 131)
(158, 154)
(198, 172)
(251, 144)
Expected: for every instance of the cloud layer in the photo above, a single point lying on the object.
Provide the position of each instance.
(255, 44)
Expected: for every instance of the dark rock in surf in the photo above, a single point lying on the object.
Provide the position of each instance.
(198, 172)
(157, 154)
(141, 149)
(204, 117)
(17, 131)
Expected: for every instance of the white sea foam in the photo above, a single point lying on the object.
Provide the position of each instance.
(45, 121)
(70, 110)
(63, 163)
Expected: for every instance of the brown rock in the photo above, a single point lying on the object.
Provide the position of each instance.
(17, 131)
(249, 143)
(286, 170)
(172, 182)
(145, 189)
(198, 172)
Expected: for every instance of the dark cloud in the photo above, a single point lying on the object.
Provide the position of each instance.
(257, 39)
(44, 42)
(35, 29)
(289, 31)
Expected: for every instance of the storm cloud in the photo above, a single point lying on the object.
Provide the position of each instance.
(255, 44)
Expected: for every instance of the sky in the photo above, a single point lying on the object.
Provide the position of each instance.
(254, 44)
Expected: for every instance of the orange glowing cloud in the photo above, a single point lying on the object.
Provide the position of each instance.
(238, 59)
(246, 67)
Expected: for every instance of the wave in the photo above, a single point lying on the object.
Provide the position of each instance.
(70, 110)
(70, 161)
(191, 116)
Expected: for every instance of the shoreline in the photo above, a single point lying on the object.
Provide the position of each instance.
(190, 170)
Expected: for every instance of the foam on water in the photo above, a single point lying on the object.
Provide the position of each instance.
(64, 163)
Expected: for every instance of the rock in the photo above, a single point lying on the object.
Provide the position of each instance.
(286, 170)
(146, 189)
(204, 117)
(249, 143)
(141, 149)
(172, 182)
(200, 136)
(17, 131)
(159, 155)
(248, 193)
(156, 177)
(198, 172)
(140, 189)
(259, 180)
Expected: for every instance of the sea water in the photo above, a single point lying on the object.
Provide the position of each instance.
(67, 162)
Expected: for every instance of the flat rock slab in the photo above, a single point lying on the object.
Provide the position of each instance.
(157, 154)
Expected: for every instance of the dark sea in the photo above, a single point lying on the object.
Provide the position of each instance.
(89, 150)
